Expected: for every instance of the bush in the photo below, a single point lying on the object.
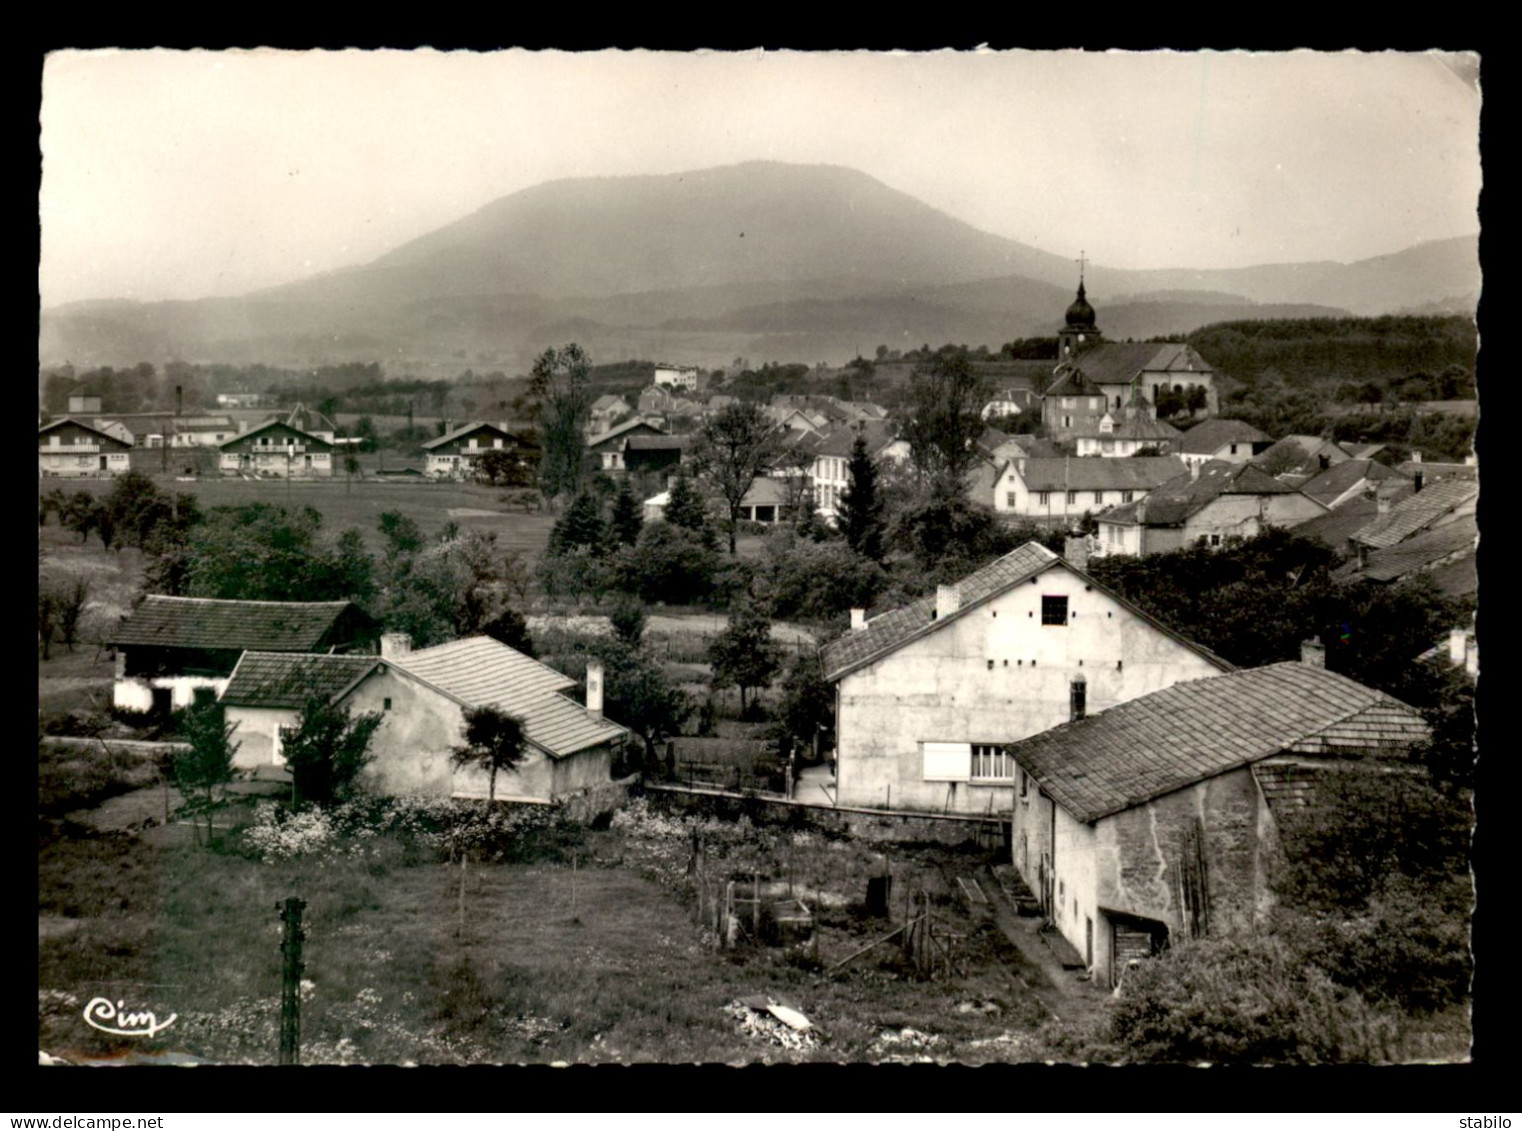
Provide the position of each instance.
(819, 580)
(669, 564)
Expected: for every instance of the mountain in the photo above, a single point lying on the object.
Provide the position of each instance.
(701, 267)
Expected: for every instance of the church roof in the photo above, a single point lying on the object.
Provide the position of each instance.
(1080, 315)
(1120, 363)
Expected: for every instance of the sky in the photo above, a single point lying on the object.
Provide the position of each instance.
(176, 175)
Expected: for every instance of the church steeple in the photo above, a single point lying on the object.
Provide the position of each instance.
(1079, 331)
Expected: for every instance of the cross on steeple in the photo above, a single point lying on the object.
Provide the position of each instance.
(1082, 259)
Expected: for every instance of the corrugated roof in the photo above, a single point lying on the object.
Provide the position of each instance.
(1417, 552)
(287, 679)
(1209, 436)
(1094, 473)
(1197, 729)
(206, 623)
(479, 671)
(1418, 511)
(891, 630)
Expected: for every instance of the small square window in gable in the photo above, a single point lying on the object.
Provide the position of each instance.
(1054, 610)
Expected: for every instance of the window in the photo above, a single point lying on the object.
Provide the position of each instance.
(1127, 496)
(1072, 498)
(1054, 610)
(1043, 498)
(1233, 449)
(1067, 402)
(1215, 539)
(1025, 783)
(386, 704)
(1009, 499)
(1099, 496)
(991, 763)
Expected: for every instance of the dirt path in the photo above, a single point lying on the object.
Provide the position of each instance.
(1059, 990)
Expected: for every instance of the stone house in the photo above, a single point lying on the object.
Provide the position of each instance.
(928, 695)
(68, 448)
(422, 697)
(1208, 505)
(1155, 820)
(172, 652)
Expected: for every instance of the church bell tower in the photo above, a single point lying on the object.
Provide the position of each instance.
(1079, 332)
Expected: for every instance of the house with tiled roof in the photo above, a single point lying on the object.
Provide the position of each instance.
(1351, 478)
(1072, 405)
(829, 473)
(454, 454)
(1445, 552)
(1425, 508)
(609, 448)
(1068, 487)
(1213, 504)
(1337, 527)
(277, 449)
(1432, 470)
(928, 694)
(175, 651)
(71, 448)
(1216, 438)
(1298, 459)
(422, 697)
(1156, 820)
(1123, 433)
(607, 410)
(1010, 402)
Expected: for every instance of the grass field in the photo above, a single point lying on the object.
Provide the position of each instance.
(619, 971)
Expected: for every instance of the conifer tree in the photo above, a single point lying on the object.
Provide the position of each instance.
(627, 518)
(580, 526)
(685, 508)
(860, 510)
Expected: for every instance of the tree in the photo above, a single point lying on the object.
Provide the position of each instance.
(734, 447)
(860, 511)
(328, 748)
(628, 617)
(806, 715)
(81, 514)
(71, 606)
(47, 621)
(944, 415)
(579, 527)
(202, 770)
(642, 697)
(509, 627)
(685, 508)
(494, 741)
(559, 386)
(498, 466)
(628, 515)
(744, 655)
(402, 534)
(669, 564)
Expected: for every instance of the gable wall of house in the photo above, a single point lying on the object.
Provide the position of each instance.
(1012, 496)
(1244, 516)
(941, 688)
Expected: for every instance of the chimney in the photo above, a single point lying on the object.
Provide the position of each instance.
(1141, 511)
(858, 619)
(594, 687)
(948, 599)
(1194, 470)
(1313, 653)
(1458, 648)
(1416, 456)
(1471, 460)
(395, 644)
(1075, 551)
(1078, 698)
(1418, 483)
(1324, 460)
(1382, 503)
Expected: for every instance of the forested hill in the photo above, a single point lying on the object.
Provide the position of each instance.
(1317, 350)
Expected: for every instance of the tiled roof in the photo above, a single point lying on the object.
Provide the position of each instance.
(1197, 729)
(1457, 579)
(1072, 382)
(242, 438)
(1179, 498)
(1342, 522)
(765, 492)
(1435, 471)
(620, 430)
(287, 679)
(478, 671)
(1418, 511)
(878, 434)
(609, 402)
(1305, 452)
(891, 630)
(1094, 473)
(1209, 436)
(1117, 363)
(1142, 427)
(658, 443)
(1336, 481)
(1035, 448)
(201, 622)
(465, 430)
(1418, 551)
(92, 429)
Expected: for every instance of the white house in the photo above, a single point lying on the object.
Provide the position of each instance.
(676, 376)
(1067, 488)
(275, 448)
(454, 454)
(1123, 433)
(928, 695)
(71, 449)
(422, 697)
(1233, 440)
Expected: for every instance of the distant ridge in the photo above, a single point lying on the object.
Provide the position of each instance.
(699, 266)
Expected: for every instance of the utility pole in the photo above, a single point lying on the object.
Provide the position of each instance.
(290, 980)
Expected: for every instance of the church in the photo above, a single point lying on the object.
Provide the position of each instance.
(1100, 387)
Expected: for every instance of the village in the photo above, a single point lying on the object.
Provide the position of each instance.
(966, 706)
